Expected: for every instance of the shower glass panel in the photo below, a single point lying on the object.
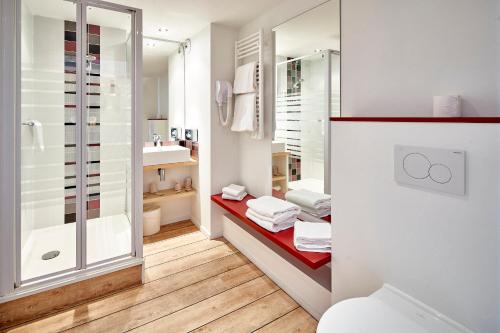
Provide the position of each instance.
(301, 97)
(48, 138)
(108, 102)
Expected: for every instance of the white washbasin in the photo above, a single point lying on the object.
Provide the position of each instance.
(278, 147)
(165, 154)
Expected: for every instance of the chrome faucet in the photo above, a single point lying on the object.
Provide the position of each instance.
(157, 139)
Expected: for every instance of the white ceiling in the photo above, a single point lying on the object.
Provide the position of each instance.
(185, 18)
(318, 28)
(182, 18)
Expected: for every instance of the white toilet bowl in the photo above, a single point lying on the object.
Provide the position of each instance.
(388, 310)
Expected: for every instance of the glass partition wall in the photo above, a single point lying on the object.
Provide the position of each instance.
(78, 64)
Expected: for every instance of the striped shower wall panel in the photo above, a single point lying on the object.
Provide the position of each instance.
(93, 121)
(288, 115)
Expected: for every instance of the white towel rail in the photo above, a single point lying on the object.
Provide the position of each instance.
(249, 49)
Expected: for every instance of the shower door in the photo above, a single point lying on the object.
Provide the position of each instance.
(76, 112)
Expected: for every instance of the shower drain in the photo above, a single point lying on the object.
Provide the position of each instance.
(50, 255)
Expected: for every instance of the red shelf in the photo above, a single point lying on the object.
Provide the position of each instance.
(283, 239)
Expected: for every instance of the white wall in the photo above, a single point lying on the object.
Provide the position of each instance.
(209, 58)
(397, 55)
(256, 155)
(441, 249)
(198, 117)
(225, 149)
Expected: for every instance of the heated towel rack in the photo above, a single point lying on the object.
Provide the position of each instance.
(246, 50)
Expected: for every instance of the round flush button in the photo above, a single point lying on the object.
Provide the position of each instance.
(440, 173)
(416, 165)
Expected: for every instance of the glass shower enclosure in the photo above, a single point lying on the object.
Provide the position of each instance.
(307, 94)
(78, 133)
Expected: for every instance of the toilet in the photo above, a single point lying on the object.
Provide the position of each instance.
(387, 310)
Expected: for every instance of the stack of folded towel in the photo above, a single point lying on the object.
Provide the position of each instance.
(234, 192)
(313, 237)
(317, 204)
(272, 214)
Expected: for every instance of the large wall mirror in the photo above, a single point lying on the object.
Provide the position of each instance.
(307, 94)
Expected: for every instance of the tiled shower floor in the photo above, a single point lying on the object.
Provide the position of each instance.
(107, 237)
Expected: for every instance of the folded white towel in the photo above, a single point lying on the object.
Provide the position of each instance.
(269, 225)
(312, 237)
(234, 197)
(244, 113)
(271, 207)
(245, 78)
(234, 190)
(310, 232)
(280, 218)
(317, 212)
(319, 249)
(308, 199)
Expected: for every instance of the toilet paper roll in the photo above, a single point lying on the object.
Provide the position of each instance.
(447, 106)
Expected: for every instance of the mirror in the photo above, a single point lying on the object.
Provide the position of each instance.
(307, 94)
(155, 87)
(164, 88)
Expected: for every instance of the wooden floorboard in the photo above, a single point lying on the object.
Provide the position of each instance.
(168, 244)
(297, 321)
(170, 234)
(192, 285)
(252, 316)
(182, 251)
(210, 309)
(184, 263)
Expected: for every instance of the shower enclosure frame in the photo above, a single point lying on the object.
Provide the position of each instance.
(11, 286)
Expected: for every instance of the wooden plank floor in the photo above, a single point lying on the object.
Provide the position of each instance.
(193, 284)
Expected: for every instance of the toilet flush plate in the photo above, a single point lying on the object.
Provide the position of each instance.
(432, 168)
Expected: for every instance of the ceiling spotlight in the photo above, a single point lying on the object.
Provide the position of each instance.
(162, 29)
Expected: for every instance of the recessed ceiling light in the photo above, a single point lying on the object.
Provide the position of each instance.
(162, 29)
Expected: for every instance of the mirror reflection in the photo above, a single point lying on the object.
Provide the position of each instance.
(307, 94)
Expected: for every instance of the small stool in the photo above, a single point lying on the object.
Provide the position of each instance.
(151, 218)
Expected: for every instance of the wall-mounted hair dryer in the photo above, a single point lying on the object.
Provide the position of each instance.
(224, 96)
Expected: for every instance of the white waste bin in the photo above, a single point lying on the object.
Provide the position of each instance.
(151, 219)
